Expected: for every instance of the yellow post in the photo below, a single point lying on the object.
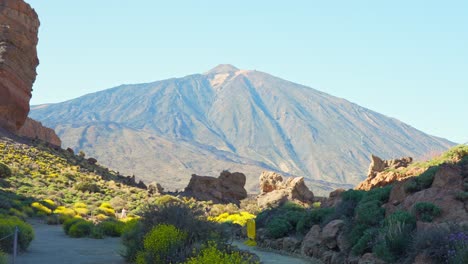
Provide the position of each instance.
(251, 233)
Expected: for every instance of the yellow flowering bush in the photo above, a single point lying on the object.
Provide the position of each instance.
(236, 218)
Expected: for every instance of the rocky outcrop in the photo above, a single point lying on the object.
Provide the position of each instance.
(227, 188)
(35, 130)
(276, 191)
(383, 172)
(19, 26)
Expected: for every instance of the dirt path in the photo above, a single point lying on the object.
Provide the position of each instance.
(270, 257)
(52, 246)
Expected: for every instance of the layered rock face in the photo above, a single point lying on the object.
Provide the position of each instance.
(383, 172)
(276, 191)
(35, 130)
(19, 26)
(227, 188)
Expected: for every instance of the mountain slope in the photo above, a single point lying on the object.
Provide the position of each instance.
(231, 119)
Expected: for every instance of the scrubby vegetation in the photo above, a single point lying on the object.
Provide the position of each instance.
(7, 227)
(171, 233)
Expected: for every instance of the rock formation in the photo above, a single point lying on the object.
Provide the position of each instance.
(275, 191)
(35, 130)
(383, 172)
(227, 188)
(19, 26)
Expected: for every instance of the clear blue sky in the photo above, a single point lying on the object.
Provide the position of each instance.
(405, 59)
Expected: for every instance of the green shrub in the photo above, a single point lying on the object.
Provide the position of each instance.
(278, 227)
(401, 217)
(87, 187)
(161, 245)
(380, 194)
(167, 200)
(394, 241)
(5, 171)
(365, 242)
(111, 228)
(68, 224)
(106, 209)
(211, 254)
(81, 229)
(132, 239)
(370, 213)
(422, 181)
(353, 195)
(7, 227)
(462, 196)
(313, 217)
(426, 211)
(96, 233)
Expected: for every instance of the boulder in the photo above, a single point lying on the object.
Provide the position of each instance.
(227, 188)
(35, 130)
(92, 161)
(330, 233)
(291, 244)
(275, 191)
(19, 26)
(311, 242)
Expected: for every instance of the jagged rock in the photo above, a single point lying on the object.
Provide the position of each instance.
(275, 191)
(35, 130)
(19, 26)
(379, 173)
(448, 177)
(155, 188)
(227, 188)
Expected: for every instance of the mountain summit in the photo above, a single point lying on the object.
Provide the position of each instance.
(222, 68)
(231, 119)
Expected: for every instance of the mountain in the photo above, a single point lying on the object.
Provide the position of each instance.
(238, 120)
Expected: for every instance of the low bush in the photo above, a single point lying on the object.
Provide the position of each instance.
(422, 181)
(161, 245)
(212, 254)
(394, 241)
(69, 223)
(87, 187)
(41, 209)
(7, 227)
(426, 212)
(111, 228)
(236, 218)
(81, 228)
(313, 217)
(278, 227)
(365, 242)
(5, 171)
(106, 209)
(132, 239)
(401, 217)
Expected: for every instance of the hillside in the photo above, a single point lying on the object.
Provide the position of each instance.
(231, 119)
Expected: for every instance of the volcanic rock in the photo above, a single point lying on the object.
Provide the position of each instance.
(35, 130)
(275, 191)
(384, 172)
(227, 188)
(19, 26)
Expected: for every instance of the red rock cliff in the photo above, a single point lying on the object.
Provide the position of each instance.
(35, 130)
(19, 26)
